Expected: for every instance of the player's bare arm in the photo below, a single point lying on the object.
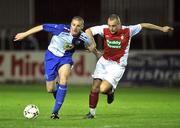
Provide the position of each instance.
(91, 47)
(23, 35)
(97, 53)
(90, 35)
(156, 27)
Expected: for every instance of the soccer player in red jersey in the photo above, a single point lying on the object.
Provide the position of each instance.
(111, 65)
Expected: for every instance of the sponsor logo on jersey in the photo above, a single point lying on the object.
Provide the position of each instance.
(114, 43)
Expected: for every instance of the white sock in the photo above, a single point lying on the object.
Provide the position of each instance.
(92, 111)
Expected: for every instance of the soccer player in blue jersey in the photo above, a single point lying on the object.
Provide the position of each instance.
(58, 56)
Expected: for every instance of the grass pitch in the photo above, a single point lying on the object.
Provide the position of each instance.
(146, 107)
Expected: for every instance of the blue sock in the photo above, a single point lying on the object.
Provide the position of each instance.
(61, 93)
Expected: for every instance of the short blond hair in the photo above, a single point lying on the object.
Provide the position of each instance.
(79, 18)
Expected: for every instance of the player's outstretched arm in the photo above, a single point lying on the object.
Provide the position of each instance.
(23, 35)
(156, 27)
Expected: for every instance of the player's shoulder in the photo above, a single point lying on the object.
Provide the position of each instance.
(83, 36)
(134, 29)
(83, 33)
(131, 26)
(56, 26)
(104, 26)
(100, 26)
(63, 27)
(66, 27)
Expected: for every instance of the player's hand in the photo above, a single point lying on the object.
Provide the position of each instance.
(167, 29)
(90, 48)
(20, 36)
(99, 54)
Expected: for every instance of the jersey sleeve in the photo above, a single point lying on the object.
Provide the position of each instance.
(98, 30)
(135, 29)
(85, 39)
(55, 29)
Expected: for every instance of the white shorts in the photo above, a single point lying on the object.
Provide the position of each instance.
(109, 70)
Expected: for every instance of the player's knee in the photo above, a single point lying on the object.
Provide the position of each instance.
(103, 90)
(95, 89)
(50, 89)
(50, 86)
(63, 81)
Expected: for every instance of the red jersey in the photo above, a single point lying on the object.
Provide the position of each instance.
(116, 46)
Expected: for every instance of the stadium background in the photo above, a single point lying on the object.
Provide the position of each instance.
(20, 15)
(154, 61)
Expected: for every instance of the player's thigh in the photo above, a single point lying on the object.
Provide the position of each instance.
(64, 73)
(114, 74)
(50, 64)
(100, 71)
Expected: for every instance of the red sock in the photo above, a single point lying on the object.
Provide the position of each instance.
(93, 99)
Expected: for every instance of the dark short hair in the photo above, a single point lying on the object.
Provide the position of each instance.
(114, 17)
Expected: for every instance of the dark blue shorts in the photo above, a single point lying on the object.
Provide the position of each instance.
(52, 63)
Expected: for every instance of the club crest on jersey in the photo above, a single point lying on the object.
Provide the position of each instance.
(122, 37)
(114, 43)
(68, 46)
(107, 36)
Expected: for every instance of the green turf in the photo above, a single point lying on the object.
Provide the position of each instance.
(146, 107)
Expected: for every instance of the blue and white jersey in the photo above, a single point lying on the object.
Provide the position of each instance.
(62, 36)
